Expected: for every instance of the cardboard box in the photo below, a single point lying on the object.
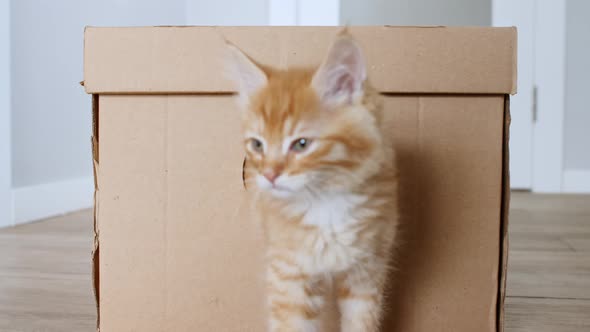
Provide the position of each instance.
(176, 248)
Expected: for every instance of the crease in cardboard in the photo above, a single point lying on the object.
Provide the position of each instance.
(244, 175)
(420, 123)
(167, 203)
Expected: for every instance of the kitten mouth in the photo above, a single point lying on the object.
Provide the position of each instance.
(280, 188)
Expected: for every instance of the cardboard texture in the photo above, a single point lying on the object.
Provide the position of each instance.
(179, 250)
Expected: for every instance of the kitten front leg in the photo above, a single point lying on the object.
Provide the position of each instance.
(294, 298)
(360, 299)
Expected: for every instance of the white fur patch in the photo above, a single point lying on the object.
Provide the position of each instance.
(335, 215)
(333, 210)
(353, 312)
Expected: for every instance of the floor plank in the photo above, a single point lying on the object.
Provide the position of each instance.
(547, 315)
(46, 285)
(549, 246)
(549, 274)
(45, 276)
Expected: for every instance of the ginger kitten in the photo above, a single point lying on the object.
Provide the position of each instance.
(325, 187)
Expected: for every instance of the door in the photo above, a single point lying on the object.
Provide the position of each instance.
(520, 14)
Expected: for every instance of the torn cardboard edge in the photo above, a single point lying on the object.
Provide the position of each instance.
(95, 248)
(504, 213)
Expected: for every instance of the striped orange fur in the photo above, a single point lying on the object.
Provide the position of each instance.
(324, 183)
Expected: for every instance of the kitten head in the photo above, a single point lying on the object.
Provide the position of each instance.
(308, 131)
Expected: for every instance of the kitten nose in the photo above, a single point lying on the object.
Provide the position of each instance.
(271, 175)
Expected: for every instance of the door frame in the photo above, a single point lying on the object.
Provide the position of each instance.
(550, 71)
(522, 15)
(549, 30)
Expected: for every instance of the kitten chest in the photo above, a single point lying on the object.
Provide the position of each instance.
(331, 247)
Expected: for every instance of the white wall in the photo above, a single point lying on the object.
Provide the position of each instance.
(576, 122)
(226, 12)
(51, 114)
(5, 174)
(577, 105)
(416, 12)
(51, 118)
(303, 12)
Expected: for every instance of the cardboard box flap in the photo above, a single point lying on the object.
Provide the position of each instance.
(186, 60)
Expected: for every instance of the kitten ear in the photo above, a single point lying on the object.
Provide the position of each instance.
(246, 73)
(339, 79)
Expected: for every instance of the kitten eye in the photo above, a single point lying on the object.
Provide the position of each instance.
(300, 144)
(256, 145)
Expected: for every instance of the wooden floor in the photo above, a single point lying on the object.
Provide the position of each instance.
(45, 271)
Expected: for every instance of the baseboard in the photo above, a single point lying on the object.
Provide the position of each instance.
(47, 200)
(5, 207)
(576, 181)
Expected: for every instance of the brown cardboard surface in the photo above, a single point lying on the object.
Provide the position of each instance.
(403, 59)
(179, 250)
(450, 157)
